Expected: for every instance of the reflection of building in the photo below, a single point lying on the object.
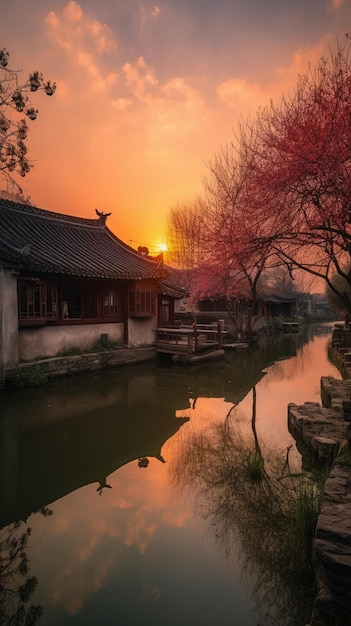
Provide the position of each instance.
(79, 433)
(70, 282)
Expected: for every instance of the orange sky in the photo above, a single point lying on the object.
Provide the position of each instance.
(147, 93)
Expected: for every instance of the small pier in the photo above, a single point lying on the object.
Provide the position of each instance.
(190, 340)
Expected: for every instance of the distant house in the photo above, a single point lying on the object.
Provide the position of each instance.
(68, 281)
(271, 305)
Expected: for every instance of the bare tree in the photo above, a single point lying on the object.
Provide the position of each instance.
(185, 238)
(231, 227)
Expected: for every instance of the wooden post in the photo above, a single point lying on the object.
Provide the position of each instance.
(190, 341)
(195, 337)
(219, 331)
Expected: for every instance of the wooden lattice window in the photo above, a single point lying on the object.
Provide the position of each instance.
(111, 302)
(142, 300)
(37, 300)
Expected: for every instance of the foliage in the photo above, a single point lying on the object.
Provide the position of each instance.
(98, 346)
(15, 102)
(28, 376)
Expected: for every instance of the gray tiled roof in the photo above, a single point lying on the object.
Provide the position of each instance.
(46, 242)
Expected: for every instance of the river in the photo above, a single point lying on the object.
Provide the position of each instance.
(131, 483)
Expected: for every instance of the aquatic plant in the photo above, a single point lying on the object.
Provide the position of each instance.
(255, 498)
(302, 526)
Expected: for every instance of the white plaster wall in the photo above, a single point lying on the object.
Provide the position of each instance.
(50, 340)
(8, 319)
(141, 331)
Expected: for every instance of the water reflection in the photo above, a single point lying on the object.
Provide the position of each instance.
(60, 439)
(121, 457)
(247, 492)
(16, 585)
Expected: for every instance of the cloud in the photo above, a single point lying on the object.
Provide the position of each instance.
(75, 28)
(146, 13)
(73, 12)
(121, 104)
(177, 116)
(337, 4)
(287, 77)
(84, 40)
(139, 78)
(245, 97)
(240, 94)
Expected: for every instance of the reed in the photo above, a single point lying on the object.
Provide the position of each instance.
(254, 466)
(302, 526)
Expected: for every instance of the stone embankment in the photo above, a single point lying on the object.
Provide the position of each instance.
(41, 371)
(325, 429)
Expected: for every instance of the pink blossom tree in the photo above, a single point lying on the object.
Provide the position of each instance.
(236, 261)
(280, 193)
(303, 168)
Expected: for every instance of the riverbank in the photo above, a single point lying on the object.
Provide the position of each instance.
(41, 371)
(325, 430)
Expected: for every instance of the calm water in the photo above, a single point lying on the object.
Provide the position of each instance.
(122, 478)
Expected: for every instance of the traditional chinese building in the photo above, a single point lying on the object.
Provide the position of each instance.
(68, 281)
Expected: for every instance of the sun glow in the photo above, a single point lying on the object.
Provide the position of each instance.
(163, 247)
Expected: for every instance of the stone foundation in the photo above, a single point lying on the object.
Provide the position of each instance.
(41, 371)
(325, 430)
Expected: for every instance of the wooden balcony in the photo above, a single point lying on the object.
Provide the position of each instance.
(188, 340)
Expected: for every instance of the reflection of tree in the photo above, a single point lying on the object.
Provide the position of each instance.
(250, 497)
(16, 586)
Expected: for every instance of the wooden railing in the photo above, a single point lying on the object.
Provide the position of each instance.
(189, 339)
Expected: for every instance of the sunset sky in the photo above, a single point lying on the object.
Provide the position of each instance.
(148, 92)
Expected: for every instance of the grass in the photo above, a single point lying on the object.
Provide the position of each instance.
(254, 466)
(98, 346)
(31, 376)
(302, 527)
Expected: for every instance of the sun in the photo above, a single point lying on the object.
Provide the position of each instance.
(163, 247)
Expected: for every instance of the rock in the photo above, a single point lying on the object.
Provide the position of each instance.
(326, 431)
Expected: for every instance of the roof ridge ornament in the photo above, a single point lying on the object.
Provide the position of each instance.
(102, 216)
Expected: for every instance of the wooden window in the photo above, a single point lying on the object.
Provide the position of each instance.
(37, 300)
(142, 300)
(78, 302)
(90, 304)
(32, 300)
(51, 301)
(111, 302)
